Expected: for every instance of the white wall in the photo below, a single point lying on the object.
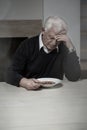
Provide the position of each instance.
(20, 9)
(70, 11)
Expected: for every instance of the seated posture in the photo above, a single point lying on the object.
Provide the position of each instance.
(50, 54)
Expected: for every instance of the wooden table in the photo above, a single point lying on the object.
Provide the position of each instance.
(59, 108)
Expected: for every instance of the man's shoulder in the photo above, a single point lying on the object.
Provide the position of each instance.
(28, 45)
(34, 38)
(30, 41)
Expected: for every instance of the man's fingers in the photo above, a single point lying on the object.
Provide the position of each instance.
(36, 80)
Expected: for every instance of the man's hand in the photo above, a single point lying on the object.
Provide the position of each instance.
(65, 39)
(29, 84)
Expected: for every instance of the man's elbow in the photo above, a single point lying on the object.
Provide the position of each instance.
(73, 76)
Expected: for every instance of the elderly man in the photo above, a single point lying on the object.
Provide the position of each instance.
(51, 54)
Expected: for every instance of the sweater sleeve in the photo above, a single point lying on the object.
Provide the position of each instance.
(14, 72)
(71, 65)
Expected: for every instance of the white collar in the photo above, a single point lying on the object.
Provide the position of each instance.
(40, 41)
(42, 45)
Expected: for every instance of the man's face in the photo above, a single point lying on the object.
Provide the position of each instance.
(50, 38)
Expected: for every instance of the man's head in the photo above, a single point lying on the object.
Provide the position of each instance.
(55, 22)
(53, 27)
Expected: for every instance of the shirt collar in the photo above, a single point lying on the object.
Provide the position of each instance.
(42, 45)
(40, 41)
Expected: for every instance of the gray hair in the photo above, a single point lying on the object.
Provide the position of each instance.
(57, 22)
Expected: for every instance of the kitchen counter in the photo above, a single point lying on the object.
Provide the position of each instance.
(63, 107)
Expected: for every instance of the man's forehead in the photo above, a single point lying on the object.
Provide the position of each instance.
(53, 31)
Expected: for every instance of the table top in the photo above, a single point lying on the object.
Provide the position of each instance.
(63, 107)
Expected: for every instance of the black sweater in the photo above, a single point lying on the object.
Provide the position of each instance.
(30, 62)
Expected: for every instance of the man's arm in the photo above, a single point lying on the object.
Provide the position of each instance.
(15, 74)
(71, 66)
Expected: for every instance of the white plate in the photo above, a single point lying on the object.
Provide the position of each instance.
(54, 81)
